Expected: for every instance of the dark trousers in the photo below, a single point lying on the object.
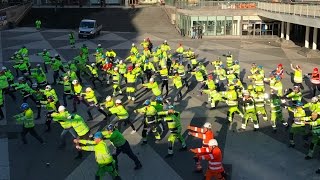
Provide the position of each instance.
(1, 112)
(94, 79)
(126, 121)
(29, 96)
(92, 107)
(178, 93)
(148, 74)
(126, 149)
(32, 132)
(165, 84)
(64, 96)
(55, 76)
(76, 101)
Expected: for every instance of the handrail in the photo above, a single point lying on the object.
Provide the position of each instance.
(306, 10)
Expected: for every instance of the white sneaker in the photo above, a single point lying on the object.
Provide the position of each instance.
(132, 132)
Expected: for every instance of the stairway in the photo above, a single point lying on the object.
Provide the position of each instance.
(143, 19)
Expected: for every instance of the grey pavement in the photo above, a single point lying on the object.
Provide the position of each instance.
(247, 155)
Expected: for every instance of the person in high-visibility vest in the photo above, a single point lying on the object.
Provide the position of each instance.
(295, 95)
(134, 49)
(313, 105)
(50, 106)
(199, 75)
(153, 85)
(94, 74)
(103, 157)
(315, 80)
(214, 157)
(116, 81)
(38, 24)
(131, 83)
(122, 115)
(249, 112)
(148, 68)
(26, 118)
(91, 101)
(122, 70)
(72, 40)
(177, 82)
(315, 124)
(77, 90)
(297, 76)
(231, 99)
(172, 118)
(260, 101)
(257, 79)
(221, 78)
(298, 126)
(276, 111)
(164, 77)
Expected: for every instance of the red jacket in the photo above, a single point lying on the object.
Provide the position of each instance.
(214, 158)
(201, 133)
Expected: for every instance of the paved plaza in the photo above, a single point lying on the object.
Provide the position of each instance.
(248, 155)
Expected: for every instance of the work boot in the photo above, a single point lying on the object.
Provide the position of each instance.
(318, 171)
(307, 157)
(169, 156)
(292, 145)
(138, 166)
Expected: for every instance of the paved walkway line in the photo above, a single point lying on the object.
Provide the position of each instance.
(4, 160)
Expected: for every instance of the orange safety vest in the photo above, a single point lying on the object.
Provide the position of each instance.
(215, 160)
(206, 136)
(315, 78)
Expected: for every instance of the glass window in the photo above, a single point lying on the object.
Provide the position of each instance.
(211, 27)
(220, 25)
(228, 25)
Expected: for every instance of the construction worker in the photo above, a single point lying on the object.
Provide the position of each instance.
(276, 111)
(94, 74)
(278, 87)
(314, 105)
(39, 75)
(50, 107)
(99, 49)
(180, 52)
(67, 89)
(121, 144)
(165, 46)
(279, 71)
(230, 76)
(116, 81)
(85, 51)
(134, 49)
(146, 52)
(295, 95)
(315, 130)
(172, 118)
(122, 70)
(257, 79)
(229, 60)
(77, 90)
(122, 115)
(72, 40)
(56, 66)
(253, 68)
(236, 69)
(107, 66)
(177, 82)
(104, 159)
(8, 74)
(62, 118)
(49, 91)
(315, 80)
(214, 157)
(148, 69)
(38, 24)
(204, 133)
(109, 103)
(27, 119)
(297, 76)
(1, 105)
(73, 71)
(132, 58)
(238, 85)
(299, 122)
(182, 73)
(144, 43)
(260, 101)
(5, 85)
(231, 98)
(111, 55)
(131, 83)
(153, 86)
(92, 102)
(39, 96)
(45, 54)
(249, 112)
(150, 122)
(220, 73)
(271, 80)
(164, 78)
(138, 72)
(213, 96)
(199, 75)
(193, 62)
(24, 88)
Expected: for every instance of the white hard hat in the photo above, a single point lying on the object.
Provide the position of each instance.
(207, 125)
(93, 64)
(65, 77)
(75, 82)
(88, 89)
(314, 99)
(99, 45)
(61, 108)
(48, 87)
(144, 39)
(163, 67)
(4, 68)
(165, 41)
(213, 142)
(120, 62)
(56, 55)
(108, 98)
(151, 80)
(116, 68)
(137, 65)
(118, 101)
(246, 92)
(133, 44)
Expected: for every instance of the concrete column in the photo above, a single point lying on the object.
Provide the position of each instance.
(306, 38)
(315, 38)
(238, 28)
(288, 31)
(282, 30)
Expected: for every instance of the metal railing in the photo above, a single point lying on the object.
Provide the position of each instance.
(182, 4)
(308, 10)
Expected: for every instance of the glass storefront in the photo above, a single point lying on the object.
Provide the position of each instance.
(225, 25)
